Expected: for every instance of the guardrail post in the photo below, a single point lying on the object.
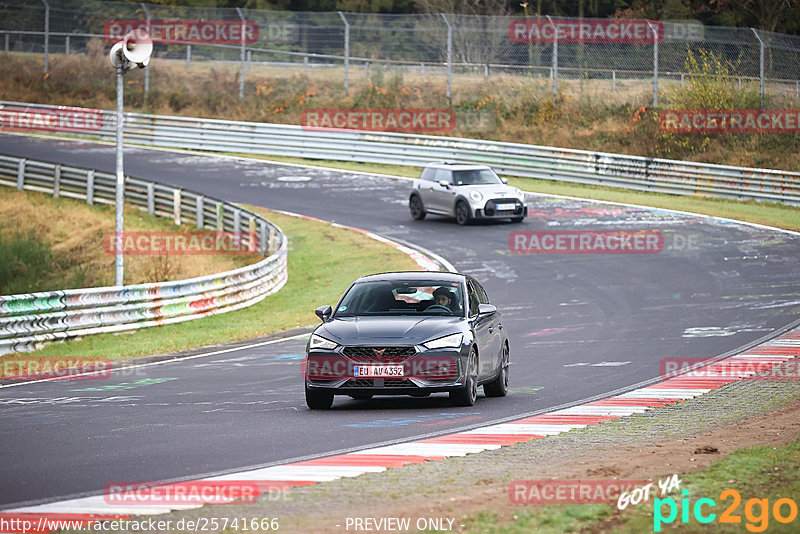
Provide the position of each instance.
(262, 248)
(220, 217)
(251, 233)
(198, 212)
(176, 206)
(346, 53)
(151, 199)
(46, 36)
(555, 60)
(57, 180)
(21, 174)
(237, 220)
(449, 55)
(272, 236)
(241, 59)
(90, 187)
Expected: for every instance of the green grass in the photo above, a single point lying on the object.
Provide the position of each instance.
(768, 213)
(25, 260)
(323, 261)
(759, 472)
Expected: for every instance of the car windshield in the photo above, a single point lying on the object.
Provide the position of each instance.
(402, 297)
(476, 177)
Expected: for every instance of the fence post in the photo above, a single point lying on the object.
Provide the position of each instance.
(198, 212)
(46, 35)
(346, 53)
(151, 200)
(613, 80)
(555, 60)
(57, 180)
(147, 67)
(188, 56)
(66, 45)
(249, 61)
(241, 58)
(760, 65)
(7, 35)
(220, 217)
(21, 175)
(449, 54)
(237, 221)
(263, 238)
(90, 187)
(655, 63)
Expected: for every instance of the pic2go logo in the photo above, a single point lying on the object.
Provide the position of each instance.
(756, 511)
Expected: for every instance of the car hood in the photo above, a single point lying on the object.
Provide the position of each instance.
(393, 330)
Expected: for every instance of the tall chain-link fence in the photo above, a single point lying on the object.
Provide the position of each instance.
(437, 45)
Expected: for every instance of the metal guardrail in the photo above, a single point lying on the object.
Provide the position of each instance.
(28, 320)
(512, 159)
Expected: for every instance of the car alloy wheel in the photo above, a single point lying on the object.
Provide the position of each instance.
(499, 386)
(415, 206)
(462, 213)
(467, 395)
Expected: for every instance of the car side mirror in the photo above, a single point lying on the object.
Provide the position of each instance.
(504, 180)
(324, 312)
(445, 184)
(486, 309)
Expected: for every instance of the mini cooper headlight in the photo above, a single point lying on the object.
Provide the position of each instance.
(319, 342)
(453, 341)
(475, 195)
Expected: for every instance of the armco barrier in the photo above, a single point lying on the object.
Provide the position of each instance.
(561, 164)
(28, 320)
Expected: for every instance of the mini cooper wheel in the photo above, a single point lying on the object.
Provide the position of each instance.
(467, 395)
(415, 206)
(462, 213)
(319, 400)
(499, 386)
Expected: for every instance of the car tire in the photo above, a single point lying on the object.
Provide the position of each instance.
(361, 396)
(416, 208)
(319, 400)
(517, 219)
(467, 395)
(462, 213)
(499, 386)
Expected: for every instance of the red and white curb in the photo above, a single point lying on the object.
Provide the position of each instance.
(283, 477)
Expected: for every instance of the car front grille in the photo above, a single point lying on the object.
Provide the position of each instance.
(379, 354)
(490, 208)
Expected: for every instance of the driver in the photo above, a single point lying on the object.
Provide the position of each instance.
(443, 297)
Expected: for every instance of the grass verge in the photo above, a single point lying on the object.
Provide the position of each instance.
(323, 261)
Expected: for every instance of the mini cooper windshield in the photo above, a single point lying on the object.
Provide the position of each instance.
(402, 298)
(476, 177)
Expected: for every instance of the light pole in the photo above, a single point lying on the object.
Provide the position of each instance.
(134, 49)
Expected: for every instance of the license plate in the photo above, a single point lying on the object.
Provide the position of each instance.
(505, 207)
(377, 371)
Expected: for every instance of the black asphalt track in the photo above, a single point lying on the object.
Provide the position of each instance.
(580, 325)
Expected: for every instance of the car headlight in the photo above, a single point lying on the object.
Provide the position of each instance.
(319, 342)
(475, 195)
(453, 341)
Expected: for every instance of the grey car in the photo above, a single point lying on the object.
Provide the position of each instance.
(466, 192)
(408, 333)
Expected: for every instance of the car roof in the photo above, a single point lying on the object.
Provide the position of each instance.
(454, 166)
(436, 276)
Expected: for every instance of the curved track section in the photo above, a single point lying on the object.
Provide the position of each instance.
(580, 326)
